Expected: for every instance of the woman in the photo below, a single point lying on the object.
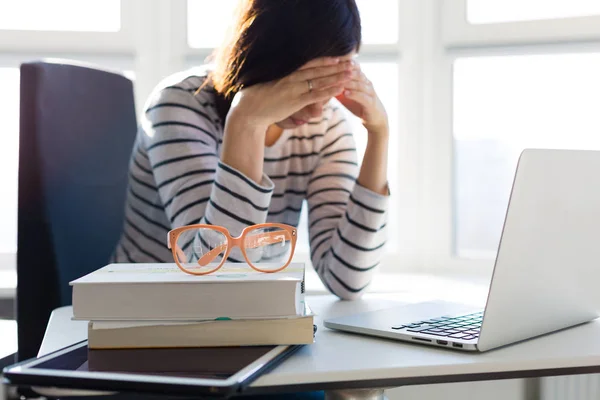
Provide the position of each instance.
(246, 141)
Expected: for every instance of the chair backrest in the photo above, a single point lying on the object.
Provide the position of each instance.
(77, 128)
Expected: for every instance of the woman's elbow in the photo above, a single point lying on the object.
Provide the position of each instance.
(349, 293)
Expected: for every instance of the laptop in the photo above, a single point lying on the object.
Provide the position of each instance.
(546, 275)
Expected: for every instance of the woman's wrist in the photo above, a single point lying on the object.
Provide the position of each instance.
(373, 171)
(380, 128)
(378, 136)
(243, 145)
(238, 121)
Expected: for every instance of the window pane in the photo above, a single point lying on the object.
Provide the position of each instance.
(493, 11)
(385, 80)
(61, 15)
(379, 21)
(207, 21)
(9, 160)
(501, 106)
(9, 157)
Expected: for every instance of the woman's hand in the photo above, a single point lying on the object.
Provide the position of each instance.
(267, 103)
(359, 97)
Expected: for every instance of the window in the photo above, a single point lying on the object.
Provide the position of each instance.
(207, 21)
(502, 105)
(61, 15)
(510, 75)
(379, 19)
(9, 80)
(493, 11)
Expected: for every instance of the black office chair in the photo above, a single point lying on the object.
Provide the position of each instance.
(77, 128)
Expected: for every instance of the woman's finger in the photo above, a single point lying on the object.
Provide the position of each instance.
(331, 80)
(320, 95)
(364, 78)
(361, 86)
(318, 72)
(320, 62)
(358, 96)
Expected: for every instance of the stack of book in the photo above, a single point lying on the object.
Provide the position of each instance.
(157, 306)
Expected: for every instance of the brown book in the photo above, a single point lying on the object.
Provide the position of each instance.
(199, 362)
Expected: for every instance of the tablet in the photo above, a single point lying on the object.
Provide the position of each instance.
(214, 371)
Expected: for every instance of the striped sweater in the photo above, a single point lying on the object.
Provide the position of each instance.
(176, 179)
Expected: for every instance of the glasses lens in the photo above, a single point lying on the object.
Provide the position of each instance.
(200, 250)
(268, 249)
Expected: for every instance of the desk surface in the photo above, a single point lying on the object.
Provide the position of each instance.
(352, 361)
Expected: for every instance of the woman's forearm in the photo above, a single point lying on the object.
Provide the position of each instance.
(244, 147)
(373, 171)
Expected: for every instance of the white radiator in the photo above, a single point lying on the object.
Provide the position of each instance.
(574, 387)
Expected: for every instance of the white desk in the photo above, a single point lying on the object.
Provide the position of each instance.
(346, 361)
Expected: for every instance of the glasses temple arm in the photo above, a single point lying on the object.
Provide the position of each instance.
(266, 238)
(211, 255)
(251, 243)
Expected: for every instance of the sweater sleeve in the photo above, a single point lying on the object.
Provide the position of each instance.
(183, 135)
(346, 220)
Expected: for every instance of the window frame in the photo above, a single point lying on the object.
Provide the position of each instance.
(458, 32)
(458, 38)
(59, 42)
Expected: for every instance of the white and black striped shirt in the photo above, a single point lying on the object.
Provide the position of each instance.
(176, 179)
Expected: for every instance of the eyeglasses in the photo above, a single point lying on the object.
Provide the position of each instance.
(202, 249)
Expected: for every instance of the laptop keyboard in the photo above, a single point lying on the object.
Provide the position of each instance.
(465, 327)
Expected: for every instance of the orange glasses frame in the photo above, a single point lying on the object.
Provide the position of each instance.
(256, 240)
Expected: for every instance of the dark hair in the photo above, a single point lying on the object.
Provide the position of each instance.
(270, 39)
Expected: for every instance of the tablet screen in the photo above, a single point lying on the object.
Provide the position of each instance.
(206, 363)
(210, 370)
